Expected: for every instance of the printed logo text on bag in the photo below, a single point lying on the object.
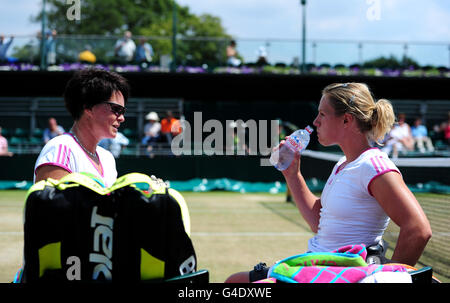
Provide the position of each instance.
(103, 236)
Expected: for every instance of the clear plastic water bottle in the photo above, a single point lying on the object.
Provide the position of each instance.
(297, 141)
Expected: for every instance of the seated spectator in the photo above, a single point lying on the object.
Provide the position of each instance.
(238, 132)
(170, 127)
(232, 59)
(144, 53)
(115, 145)
(124, 48)
(151, 131)
(50, 47)
(446, 129)
(420, 136)
(399, 138)
(4, 47)
(52, 130)
(262, 56)
(4, 146)
(443, 130)
(87, 56)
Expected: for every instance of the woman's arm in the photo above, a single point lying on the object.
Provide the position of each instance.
(402, 207)
(50, 171)
(307, 203)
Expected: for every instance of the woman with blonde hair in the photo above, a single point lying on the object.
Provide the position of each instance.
(365, 189)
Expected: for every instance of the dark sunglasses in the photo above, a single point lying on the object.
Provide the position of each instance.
(117, 109)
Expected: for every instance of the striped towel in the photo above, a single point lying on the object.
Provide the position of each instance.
(344, 265)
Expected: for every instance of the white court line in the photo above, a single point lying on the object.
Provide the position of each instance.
(11, 233)
(250, 234)
(239, 211)
(211, 234)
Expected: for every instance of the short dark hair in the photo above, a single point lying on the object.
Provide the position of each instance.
(89, 87)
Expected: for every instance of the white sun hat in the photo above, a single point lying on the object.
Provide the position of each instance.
(152, 116)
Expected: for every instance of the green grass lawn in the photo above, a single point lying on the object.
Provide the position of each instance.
(232, 232)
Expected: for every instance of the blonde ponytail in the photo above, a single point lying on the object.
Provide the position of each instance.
(383, 118)
(375, 119)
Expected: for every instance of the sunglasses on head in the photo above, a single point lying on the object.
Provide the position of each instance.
(117, 109)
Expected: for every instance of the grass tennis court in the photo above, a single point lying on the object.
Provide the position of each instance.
(232, 232)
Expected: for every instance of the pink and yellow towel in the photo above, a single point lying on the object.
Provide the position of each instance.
(344, 265)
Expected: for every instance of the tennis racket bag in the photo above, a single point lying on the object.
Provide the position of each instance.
(76, 229)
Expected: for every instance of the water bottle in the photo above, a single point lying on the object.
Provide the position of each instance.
(297, 141)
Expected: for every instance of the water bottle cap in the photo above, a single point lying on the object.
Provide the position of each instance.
(309, 129)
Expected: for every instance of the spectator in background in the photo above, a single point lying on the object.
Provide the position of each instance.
(87, 56)
(125, 48)
(232, 59)
(50, 47)
(152, 131)
(144, 53)
(443, 130)
(420, 135)
(238, 147)
(170, 127)
(446, 129)
(400, 138)
(52, 130)
(115, 145)
(262, 56)
(4, 146)
(4, 47)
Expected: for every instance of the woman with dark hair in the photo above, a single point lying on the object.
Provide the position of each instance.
(96, 100)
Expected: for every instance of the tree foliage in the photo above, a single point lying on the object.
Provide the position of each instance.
(151, 18)
(391, 62)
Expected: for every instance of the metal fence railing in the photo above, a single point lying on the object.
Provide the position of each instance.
(210, 51)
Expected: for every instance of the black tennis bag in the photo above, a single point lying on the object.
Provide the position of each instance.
(76, 229)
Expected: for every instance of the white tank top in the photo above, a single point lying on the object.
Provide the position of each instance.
(63, 151)
(350, 214)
